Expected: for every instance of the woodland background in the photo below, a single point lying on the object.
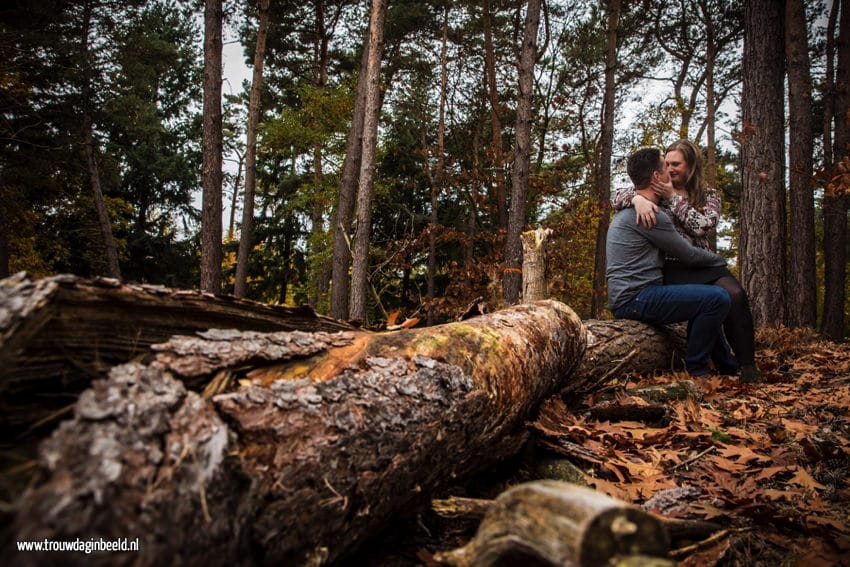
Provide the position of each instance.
(120, 157)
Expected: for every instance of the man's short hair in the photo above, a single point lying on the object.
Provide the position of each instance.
(642, 164)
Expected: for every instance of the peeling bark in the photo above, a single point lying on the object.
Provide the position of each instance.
(307, 456)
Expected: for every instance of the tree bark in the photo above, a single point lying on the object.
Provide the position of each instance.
(606, 149)
(556, 523)
(512, 275)
(802, 285)
(762, 150)
(247, 232)
(211, 253)
(829, 85)
(360, 264)
(345, 204)
(710, 107)
(835, 198)
(307, 456)
(626, 345)
(57, 334)
(112, 268)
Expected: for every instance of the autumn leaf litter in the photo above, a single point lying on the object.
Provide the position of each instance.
(768, 462)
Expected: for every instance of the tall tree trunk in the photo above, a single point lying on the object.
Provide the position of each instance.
(710, 109)
(606, 148)
(322, 271)
(829, 85)
(113, 270)
(710, 106)
(439, 178)
(496, 149)
(100, 205)
(231, 225)
(472, 214)
(802, 285)
(762, 153)
(212, 148)
(360, 265)
(835, 203)
(512, 275)
(285, 259)
(347, 192)
(247, 233)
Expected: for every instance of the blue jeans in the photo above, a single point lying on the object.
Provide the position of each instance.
(704, 307)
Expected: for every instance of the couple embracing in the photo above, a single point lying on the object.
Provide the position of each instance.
(660, 269)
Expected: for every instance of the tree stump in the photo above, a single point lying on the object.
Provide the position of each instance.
(534, 264)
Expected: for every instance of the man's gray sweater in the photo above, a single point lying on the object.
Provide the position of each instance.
(635, 255)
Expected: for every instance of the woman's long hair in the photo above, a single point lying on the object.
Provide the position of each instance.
(694, 184)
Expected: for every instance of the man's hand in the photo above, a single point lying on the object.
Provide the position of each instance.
(644, 211)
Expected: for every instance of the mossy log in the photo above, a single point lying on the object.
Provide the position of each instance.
(309, 444)
(560, 524)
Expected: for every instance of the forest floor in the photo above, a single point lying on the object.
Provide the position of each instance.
(769, 463)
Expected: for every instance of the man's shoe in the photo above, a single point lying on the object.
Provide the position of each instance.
(750, 374)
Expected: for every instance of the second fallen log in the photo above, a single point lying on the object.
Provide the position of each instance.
(561, 525)
(326, 440)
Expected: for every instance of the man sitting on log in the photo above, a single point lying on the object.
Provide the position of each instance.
(635, 256)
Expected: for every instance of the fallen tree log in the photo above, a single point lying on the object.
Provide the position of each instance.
(622, 345)
(561, 525)
(306, 457)
(679, 531)
(58, 333)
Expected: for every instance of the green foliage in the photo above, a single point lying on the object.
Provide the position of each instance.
(319, 118)
(141, 83)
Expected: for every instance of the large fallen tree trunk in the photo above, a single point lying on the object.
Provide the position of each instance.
(324, 439)
(58, 333)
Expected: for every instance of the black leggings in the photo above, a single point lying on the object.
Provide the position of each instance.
(739, 327)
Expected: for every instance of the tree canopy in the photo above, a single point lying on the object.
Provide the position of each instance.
(449, 103)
